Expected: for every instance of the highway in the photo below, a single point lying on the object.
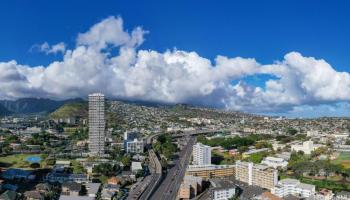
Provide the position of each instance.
(144, 189)
(199, 132)
(153, 186)
(170, 185)
(156, 177)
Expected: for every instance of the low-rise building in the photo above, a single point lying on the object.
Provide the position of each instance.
(222, 190)
(54, 177)
(307, 147)
(211, 171)
(342, 148)
(284, 155)
(294, 187)
(312, 133)
(324, 194)
(33, 195)
(71, 189)
(343, 195)
(134, 146)
(136, 166)
(274, 162)
(190, 187)
(184, 191)
(108, 191)
(92, 189)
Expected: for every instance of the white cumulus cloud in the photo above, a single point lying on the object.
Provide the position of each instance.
(173, 76)
(53, 49)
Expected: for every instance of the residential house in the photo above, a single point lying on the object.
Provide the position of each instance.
(33, 195)
(71, 189)
(92, 189)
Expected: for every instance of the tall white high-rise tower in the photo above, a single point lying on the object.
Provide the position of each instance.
(97, 124)
(201, 154)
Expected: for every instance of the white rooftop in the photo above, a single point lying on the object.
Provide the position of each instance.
(136, 166)
(274, 159)
(289, 181)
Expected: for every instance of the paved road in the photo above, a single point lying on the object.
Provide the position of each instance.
(144, 189)
(170, 185)
(155, 177)
(150, 187)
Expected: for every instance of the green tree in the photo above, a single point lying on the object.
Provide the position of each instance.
(168, 149)
(126, 160)
(116, 152)
(11, 139)
(106, 169)
(257, 157)
(291, 131)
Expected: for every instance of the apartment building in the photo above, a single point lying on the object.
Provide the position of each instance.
(97, 124)
(135, 146)
(222, 189)
(201, 154)
(211, 171)
(294, 187)
(256, 174)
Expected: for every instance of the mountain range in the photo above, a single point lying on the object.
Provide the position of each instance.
(32, 105)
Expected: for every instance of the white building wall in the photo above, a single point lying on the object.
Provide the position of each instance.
(224, 194)
(135, 146)
(284, 189)
(201, 154)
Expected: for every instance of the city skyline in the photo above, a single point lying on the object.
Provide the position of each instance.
(120, 55)
(174, 100)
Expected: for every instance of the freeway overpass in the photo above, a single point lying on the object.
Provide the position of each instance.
(199, 132)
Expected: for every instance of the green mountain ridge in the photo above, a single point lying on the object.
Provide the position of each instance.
(33, 105)
(75, 109)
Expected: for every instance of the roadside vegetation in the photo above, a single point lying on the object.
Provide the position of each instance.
(164, 146)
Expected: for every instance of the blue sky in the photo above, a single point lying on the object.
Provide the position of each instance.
(263, 30)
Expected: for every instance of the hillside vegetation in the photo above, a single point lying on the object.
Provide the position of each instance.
(79, 109)
(34, 105)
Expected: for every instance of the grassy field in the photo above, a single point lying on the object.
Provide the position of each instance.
(19, 161)
(333, 183)
(344, 159)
